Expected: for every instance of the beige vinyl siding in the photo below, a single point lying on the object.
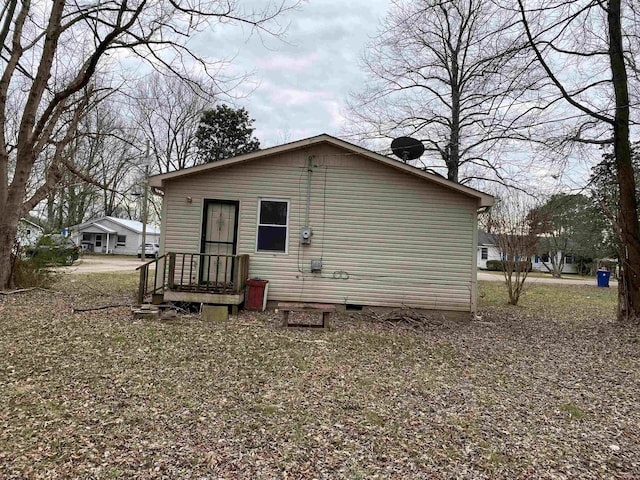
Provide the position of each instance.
(385, 237)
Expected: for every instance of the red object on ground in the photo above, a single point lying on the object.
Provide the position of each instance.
(255, 297)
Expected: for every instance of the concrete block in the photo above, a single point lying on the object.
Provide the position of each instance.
(146, 314)
(157, 298)
(215, 313)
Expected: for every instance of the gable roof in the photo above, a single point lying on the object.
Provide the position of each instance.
(485, 238)
(132, 225)
(484, 200)
(25, 220)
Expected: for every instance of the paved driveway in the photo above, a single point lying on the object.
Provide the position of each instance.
(103, 263)
(108, 263)
(566, 280)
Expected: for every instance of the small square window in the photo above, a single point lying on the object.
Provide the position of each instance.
(568, 259)
(121, 241)
(273, 225)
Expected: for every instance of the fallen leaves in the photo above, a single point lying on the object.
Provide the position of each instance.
(521, 394)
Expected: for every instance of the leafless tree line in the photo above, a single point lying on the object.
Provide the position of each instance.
(62, 60)
(492, 88)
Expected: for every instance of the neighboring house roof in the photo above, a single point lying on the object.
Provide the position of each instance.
(132, 225)
(484, 200)
(135, 226)
(24, 220)
(485, 238)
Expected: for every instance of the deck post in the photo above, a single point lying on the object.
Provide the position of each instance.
(142, 285)
(240, 272)
(172, 270)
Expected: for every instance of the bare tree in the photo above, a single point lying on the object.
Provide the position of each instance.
(52, 54)
(167, 111)
(514, 228)
(447, 72)
(586, 49)
(104, 151)
(112, 150)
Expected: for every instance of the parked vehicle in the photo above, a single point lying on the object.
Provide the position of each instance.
(54, 250)
(151, 250)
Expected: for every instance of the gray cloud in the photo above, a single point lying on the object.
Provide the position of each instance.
(303, 81)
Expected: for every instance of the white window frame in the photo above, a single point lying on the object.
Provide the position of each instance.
(119, 243)
(258, 225)
(484, 253)
(98, 238)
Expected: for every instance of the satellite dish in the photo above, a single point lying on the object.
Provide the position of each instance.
(407, 148)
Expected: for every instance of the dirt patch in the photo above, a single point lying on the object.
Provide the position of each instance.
(103, 264)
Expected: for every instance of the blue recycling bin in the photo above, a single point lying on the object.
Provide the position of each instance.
(603, 278)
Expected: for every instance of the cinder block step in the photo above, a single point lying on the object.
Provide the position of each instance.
(154, 312)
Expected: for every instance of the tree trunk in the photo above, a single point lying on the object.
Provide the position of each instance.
(8, 232)
(629, 285)
(453, 149)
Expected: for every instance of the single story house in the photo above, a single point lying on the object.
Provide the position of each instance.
(325, 221)
(488, 250)
(539, 261)
(112, 235)
(28, 232)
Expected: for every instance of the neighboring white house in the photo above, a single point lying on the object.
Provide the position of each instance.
(28, 232)
(538, 263)
(328, 221)
(112, 235)
(487, 250)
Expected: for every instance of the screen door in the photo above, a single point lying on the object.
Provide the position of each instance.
(219, 242)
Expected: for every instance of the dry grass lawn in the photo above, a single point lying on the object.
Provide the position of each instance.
(546, 390)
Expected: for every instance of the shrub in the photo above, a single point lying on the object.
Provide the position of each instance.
(53, 250)
(30, 273)
(494, 265)
(499, 266)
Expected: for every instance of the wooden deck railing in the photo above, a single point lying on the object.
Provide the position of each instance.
(193, 272)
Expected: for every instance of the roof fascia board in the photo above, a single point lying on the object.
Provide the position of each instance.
(31, 223)
(99, 226)
(484, 200)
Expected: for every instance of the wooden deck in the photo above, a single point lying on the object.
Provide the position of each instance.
(195, 277)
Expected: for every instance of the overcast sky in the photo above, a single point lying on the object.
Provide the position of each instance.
(301, 85)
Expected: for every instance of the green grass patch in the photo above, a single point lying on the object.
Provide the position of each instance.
(574, 411)
(557, 301)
